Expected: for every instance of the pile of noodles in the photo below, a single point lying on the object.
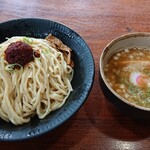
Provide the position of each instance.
(38, 88)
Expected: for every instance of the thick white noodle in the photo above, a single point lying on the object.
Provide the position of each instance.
(38, 88)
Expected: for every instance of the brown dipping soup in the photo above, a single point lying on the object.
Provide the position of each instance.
(128, 74)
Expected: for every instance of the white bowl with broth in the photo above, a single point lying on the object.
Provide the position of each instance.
(125, 69)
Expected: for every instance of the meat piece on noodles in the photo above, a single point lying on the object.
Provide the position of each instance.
(60, 46)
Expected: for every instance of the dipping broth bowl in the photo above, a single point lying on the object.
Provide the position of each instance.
(125, 73)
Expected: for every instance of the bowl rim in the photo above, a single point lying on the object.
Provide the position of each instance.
(109, 45)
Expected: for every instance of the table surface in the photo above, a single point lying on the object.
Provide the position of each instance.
(98, 124)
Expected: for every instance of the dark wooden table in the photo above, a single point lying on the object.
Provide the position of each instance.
(98, 124)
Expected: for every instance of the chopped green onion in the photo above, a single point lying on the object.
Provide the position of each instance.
(11, 67)
(27, 40)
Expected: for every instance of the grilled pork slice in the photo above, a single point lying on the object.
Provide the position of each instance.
(60, 46)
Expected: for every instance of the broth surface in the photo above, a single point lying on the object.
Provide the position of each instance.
(128, 73)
